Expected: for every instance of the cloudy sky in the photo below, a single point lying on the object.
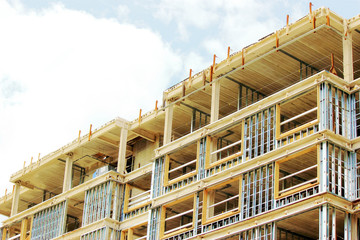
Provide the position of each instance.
(66, 64)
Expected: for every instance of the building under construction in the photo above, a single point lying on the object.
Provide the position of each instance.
(262, 145)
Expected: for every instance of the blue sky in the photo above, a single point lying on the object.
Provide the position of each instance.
(67, 64)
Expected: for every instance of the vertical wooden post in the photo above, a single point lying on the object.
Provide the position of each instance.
(169, 111)
(4, 233)
(15, 201)
(23, 230)
(215, 101)
(67, 184)
(31, 226)
(348, 68)
(122, 150)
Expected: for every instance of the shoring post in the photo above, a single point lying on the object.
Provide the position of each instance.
(214, 63)
(190, 79)
(183, 89)
(204, 78)
(79, 135)
(140, 116)
(156, 105)
(287, 24)
(211, 73)
(243, 57)
(332, 68)
(90, 132)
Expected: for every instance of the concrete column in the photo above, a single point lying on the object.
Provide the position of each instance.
(122, 150)
(68, 173)
(16, 198)
(169, 111)
(348, 67)
(215, 101)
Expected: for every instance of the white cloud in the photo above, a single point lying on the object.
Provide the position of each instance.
(235, 23)
(195, 62)
(123, 11)
(63, 69)
(190, 12)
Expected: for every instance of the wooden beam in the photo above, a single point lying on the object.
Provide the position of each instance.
(145, 134)
(26, 184)
(108, 141)
(139, 172)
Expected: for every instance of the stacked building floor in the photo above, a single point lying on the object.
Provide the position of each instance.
(262, 145)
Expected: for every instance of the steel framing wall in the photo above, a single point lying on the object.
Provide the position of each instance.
(49, 223)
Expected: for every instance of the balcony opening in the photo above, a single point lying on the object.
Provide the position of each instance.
(297, 172)
(181, 164)
(297, 114)
(178, 216)
(137, 194)
(138, 232)
(225, 146)
(221, 201)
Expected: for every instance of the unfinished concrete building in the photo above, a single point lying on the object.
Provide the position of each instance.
(262, 145)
